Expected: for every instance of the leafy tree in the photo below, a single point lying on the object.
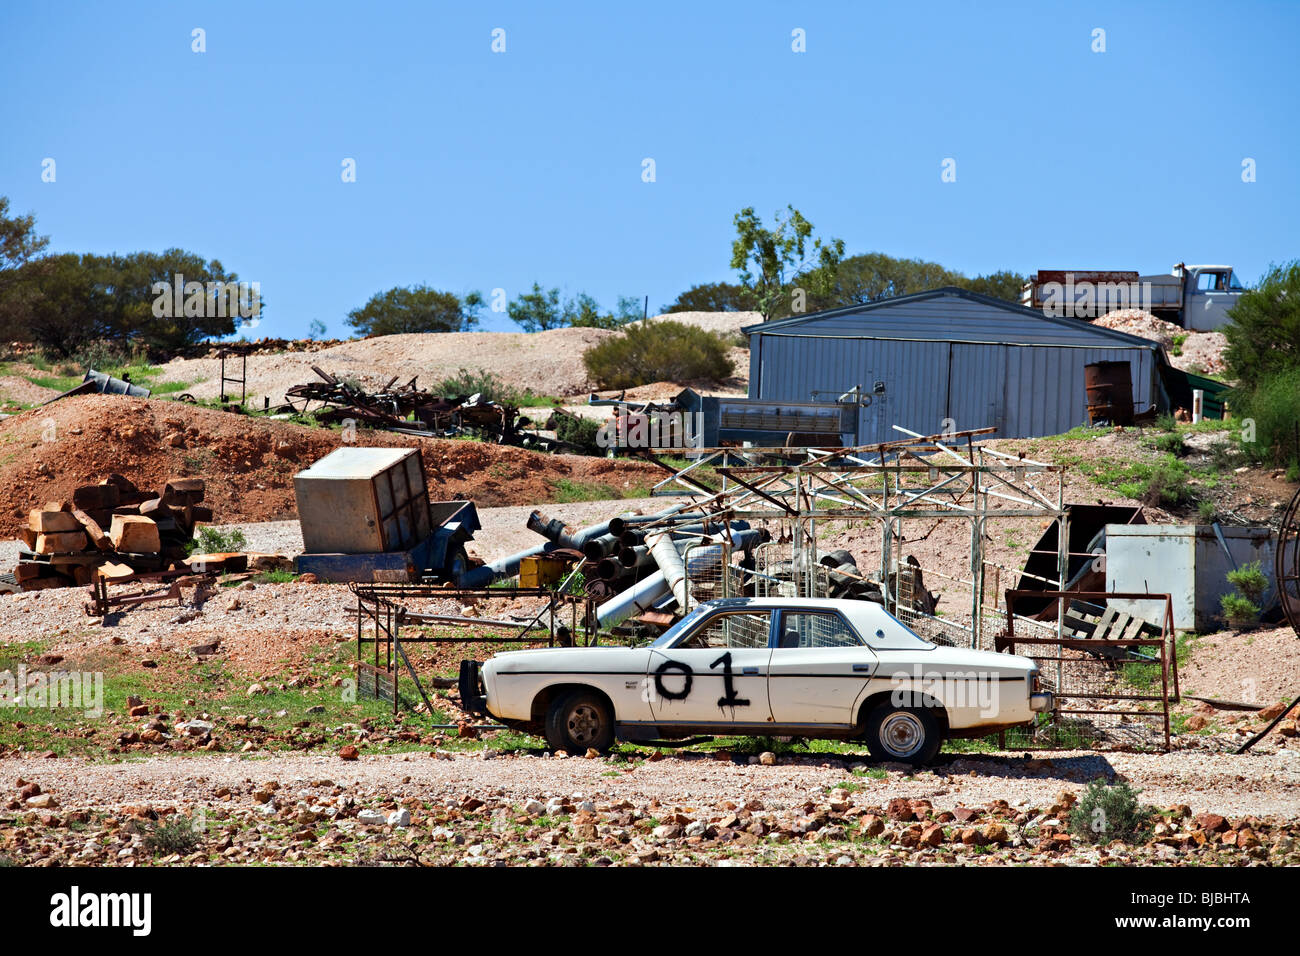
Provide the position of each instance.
(1003, 284)
(713, 297)
(769, 260)
(536, 311)
(316, 330)
(19, 245)
(540, 309)
(64, 305)
(873, 276)
(133, 284)
(1264, 329)
(416, 309)
(590, 316)
(67, 301)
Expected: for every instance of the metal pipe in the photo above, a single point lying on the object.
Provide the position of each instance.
(640, 597)
(664, 551)
(501, 568)
(601, 547)
(634, 557)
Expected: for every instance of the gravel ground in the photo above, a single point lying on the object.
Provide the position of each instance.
(1262, 784)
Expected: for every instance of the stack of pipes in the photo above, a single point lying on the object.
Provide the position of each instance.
(640, 554)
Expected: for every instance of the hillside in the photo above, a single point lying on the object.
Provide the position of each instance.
(249, 462)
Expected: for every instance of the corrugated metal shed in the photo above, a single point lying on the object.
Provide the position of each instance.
(947, 358)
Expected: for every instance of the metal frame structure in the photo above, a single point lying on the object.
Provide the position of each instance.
(940, 476)
(1167, 659)
(382, 606)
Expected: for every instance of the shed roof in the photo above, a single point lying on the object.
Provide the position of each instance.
(946, 322)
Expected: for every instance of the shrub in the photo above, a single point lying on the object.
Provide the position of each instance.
(1165, 485)
(1250, 580)
(1170, 443)
(1240, 611)
(1206, 511)
(477, 382)
(577, 431)
(661, 351)
(212, 540)
(175, 835)
(1106, 813)
(1274, 404)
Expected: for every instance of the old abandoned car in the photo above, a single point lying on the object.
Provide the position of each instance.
(836, 669)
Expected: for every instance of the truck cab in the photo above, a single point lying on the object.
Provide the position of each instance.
(1208, 293)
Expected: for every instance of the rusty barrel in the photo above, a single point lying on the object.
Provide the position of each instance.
(1110, 392)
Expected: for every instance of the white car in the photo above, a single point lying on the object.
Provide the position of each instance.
(750, 666)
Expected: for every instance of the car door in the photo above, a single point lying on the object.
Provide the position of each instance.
(716, 674)
(818, 669)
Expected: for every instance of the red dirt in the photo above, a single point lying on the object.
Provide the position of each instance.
(249, 462)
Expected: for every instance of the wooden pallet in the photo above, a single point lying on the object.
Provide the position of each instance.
(1111, 624)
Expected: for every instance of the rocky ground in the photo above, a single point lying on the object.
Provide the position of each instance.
(445, 807)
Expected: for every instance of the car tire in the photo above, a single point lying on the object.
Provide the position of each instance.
(905, 734)
(578, 722)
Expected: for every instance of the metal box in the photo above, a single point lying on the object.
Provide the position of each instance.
(1190, 563)
(363, 501)
(540, 571)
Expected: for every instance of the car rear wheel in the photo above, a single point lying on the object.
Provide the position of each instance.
(578, 722)
(908, 734)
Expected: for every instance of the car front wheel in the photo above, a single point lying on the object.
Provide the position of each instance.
(907, 734)
(578, 722)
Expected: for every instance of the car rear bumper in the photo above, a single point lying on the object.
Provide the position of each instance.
(472, 697)
(1039, 703)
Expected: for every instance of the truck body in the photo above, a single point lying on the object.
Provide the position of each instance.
(1195, 297)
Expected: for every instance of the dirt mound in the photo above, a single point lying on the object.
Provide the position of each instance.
(550, 363)
(1140, 323)
(249, 462)
(1199, 352)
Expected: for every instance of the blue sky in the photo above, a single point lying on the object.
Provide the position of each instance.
(482, 170)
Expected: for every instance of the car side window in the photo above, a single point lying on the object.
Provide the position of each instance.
(808, 629)
(741, 629)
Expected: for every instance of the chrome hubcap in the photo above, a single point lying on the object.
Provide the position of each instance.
(583, 724)
(902, 734)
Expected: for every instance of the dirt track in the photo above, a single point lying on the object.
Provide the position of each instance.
(1265, 784)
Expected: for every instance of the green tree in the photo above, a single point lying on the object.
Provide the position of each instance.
(769, 261)
(540, 309)
(416, 309)
(1003, 284)
(536, 310)
(64, 305)
(873, 276)
(713, 297)
(591, 317)
(1263, 331)
(19, 245)
(140, 287)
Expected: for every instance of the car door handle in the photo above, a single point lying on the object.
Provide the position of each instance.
(750, 671)
(861, 668)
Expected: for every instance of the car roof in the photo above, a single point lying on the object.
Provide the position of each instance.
(867, 615)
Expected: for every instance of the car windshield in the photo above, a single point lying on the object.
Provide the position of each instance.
(670, 635)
